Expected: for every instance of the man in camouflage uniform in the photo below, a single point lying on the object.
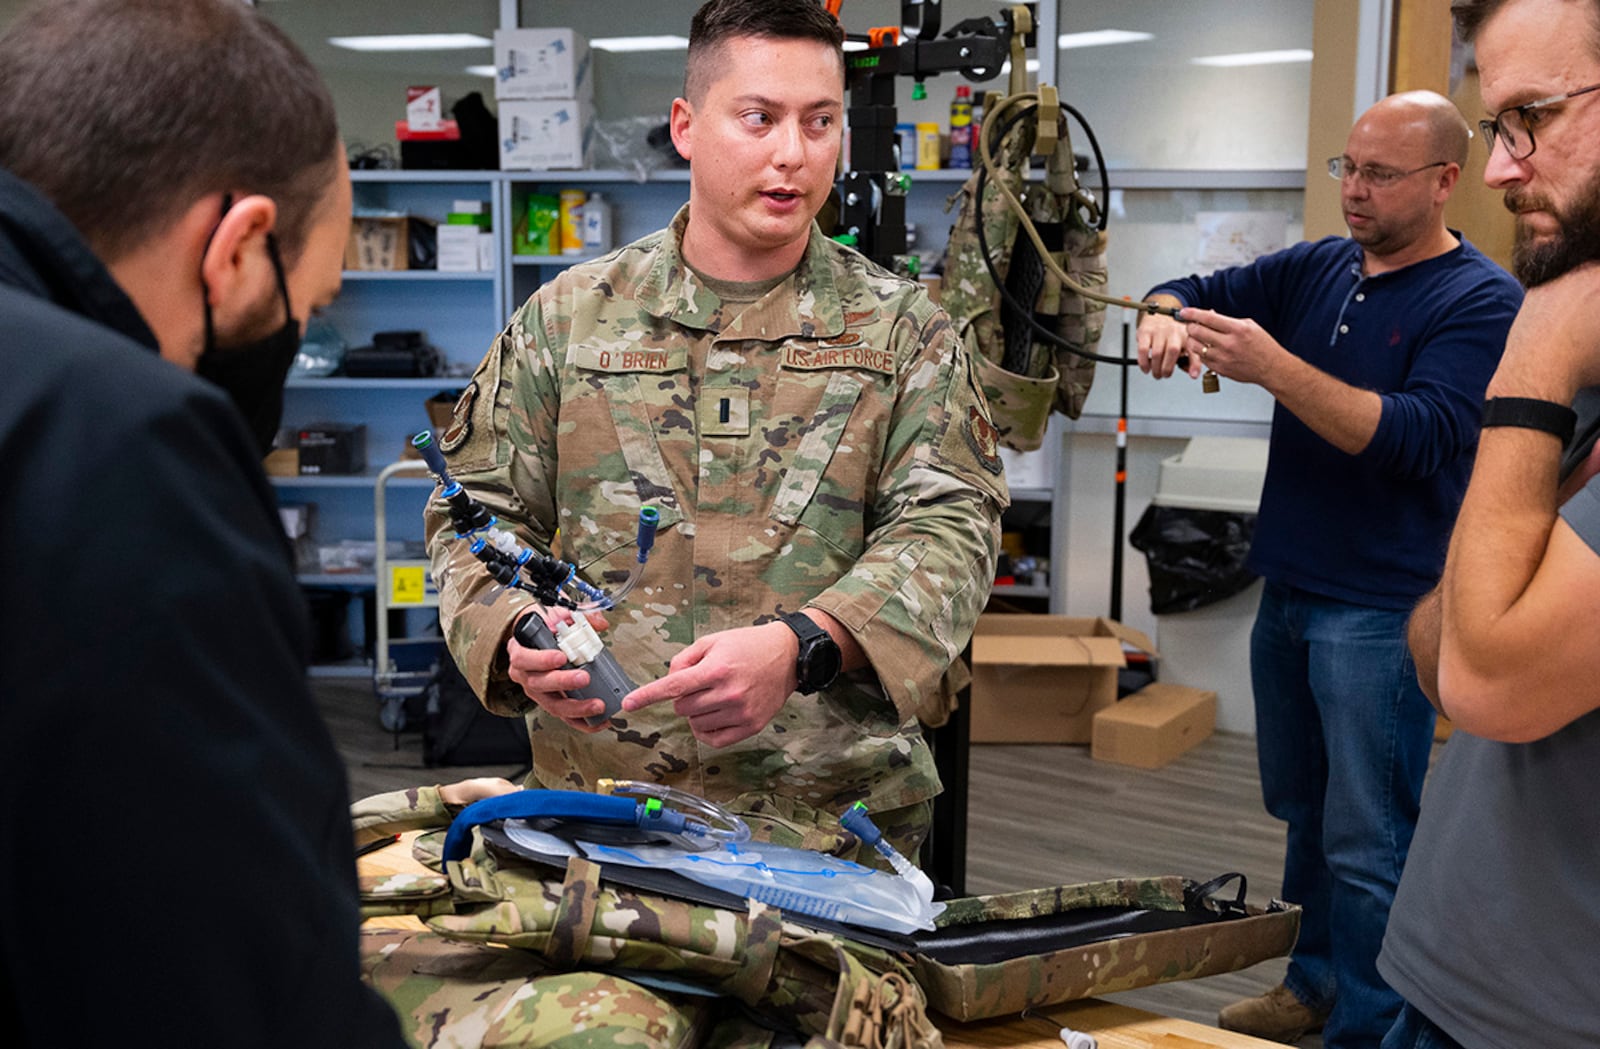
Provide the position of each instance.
(810, 431)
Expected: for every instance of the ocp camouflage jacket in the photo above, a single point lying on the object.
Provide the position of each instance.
(827, 447)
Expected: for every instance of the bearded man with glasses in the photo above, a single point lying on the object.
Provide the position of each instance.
(1377, 348)
(1496, 925)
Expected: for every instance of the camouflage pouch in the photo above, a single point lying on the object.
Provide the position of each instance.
(1024, 376)
(823, 985)
(997, 955)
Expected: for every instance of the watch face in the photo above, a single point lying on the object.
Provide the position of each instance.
(821, 664)
(819, 658)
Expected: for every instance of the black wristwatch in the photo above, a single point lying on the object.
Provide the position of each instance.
(819, 660)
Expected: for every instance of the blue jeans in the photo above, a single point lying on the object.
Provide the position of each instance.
(1343, 734)
(1415, 1031)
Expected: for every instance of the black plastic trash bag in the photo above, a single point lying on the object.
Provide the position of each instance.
(1196, 557)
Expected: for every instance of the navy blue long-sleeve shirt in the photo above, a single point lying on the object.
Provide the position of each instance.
(1370, 528)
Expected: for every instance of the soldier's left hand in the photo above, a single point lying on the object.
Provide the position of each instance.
(1235, 348)
(728, 685)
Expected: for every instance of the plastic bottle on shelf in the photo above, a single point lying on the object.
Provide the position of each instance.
(596, 224)
(961, 128)
(906, 134)
(928, 146)
(572, 201)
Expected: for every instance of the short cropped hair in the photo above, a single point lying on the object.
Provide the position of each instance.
(718, 21)
(124, 113)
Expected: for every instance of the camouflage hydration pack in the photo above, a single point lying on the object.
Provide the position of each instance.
(997, 279)
(518, 949)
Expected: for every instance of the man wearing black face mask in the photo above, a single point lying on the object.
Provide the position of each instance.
(160, 752)
(254, 373)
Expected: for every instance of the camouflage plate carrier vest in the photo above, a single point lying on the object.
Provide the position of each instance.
(1052, 378)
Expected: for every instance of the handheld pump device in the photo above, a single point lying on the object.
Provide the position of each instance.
(552, 582)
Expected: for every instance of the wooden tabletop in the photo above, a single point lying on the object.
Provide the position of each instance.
(1114, 1026)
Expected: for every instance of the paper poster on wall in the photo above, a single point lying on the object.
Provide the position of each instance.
(1234, 238)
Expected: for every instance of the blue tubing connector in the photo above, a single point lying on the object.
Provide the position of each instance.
(649, 517)
(423, 443)
(857, 822)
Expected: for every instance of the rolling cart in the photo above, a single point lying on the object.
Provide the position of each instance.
(401, 667)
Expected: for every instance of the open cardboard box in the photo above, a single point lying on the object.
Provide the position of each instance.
(1040, 679)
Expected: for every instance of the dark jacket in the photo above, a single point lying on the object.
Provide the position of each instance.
(176, 858)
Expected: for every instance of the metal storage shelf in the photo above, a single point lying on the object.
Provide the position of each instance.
(363, 480)
(419, 275)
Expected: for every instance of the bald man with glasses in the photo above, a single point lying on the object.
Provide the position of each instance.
(1495, 931)
(1377, 348)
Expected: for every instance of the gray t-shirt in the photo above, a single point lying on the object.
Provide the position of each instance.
(1495, 931)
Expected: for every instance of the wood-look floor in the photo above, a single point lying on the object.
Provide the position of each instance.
(1038, 816)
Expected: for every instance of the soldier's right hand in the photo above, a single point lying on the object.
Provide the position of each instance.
(545, 676)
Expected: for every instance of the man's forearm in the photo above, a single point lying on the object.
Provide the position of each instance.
(1343, 415)
(1498, 542)
(1422, 634)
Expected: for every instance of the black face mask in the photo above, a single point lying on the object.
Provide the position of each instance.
(253, 373)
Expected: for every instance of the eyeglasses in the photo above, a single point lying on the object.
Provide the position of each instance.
(1377, 177)
(1514, 125)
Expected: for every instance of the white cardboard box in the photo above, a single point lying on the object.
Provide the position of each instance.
(547, 133)
(424, 109)
(541, 63)
(458, 248)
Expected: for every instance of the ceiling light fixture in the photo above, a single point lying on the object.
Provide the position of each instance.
(620, 44)
(411, 42)
(1100, 38)
(1255, 58)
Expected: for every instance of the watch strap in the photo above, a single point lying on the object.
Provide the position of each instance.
(1531, 413)
(813, 640)
(804, 627)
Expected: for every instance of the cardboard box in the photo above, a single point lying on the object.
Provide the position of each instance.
(546, 134)
(458, 248)
(378, 242)
(541, 63)
(1154, 725)
(1040, 679)
(282, 462)
(424, 109)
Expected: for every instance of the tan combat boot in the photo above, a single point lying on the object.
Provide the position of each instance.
(1277, 1015)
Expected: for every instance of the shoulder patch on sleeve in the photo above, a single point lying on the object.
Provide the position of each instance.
(472, 442)
(983, 439)
(969, 443)
(460, 427)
